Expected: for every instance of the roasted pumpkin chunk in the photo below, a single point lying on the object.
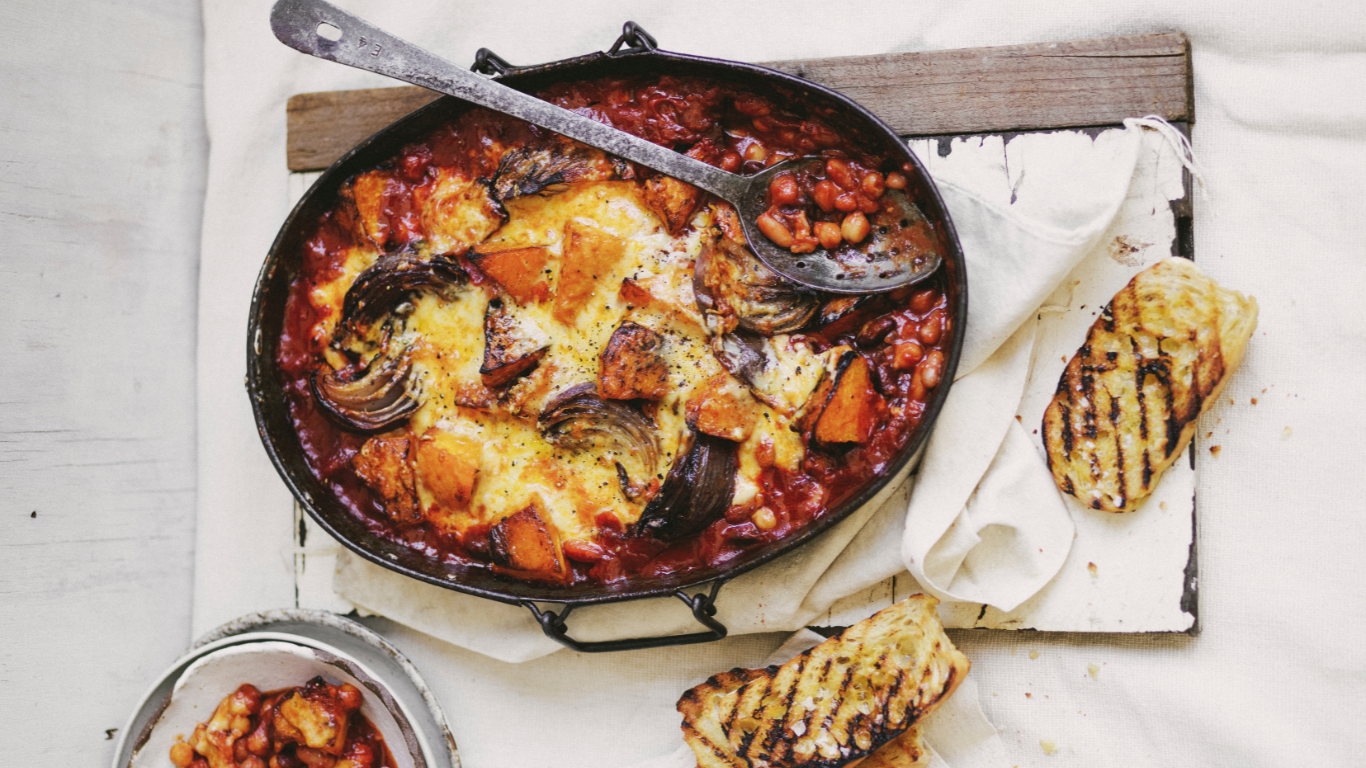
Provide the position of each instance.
(383, 464)
(521, 272)
(674, 201)
(724, 408)
(523, 544)
(312, 717)
(512, 346)
(845, 407)
(449, 465)
(632, 365)
(589, 255)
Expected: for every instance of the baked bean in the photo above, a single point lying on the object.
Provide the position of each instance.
(730, 162)
(930, 369)
(241, 724)
(251, 761)
(246, 700)
(775, 230)
(932, 328)
(908, 168)
(918, 391)
(839, 172)
(873, 185)
(583, 551)
(783, 189)
(895, 181)
(762, 124)
(182, 754)
(846, 202)
(239, 750)
(866, 205)
(825, 193)
(756, 152)
(855, 227)
(349, 697)
(906, 354)
(828, 233)
(875, 330)
(924, 301)
(764, 519)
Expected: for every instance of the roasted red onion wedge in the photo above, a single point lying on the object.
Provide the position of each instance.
(727, 275)
(532, 170)
(371, 401)
(697, 491)
(579, 419)
(382, 287)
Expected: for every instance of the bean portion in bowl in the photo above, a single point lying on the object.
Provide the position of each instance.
(316, 725)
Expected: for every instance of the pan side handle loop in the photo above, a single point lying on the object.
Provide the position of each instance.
(636, 40)
(487, 62)
(702, 604)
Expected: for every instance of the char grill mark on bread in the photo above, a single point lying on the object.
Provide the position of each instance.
(833, 705)
(1127, 403)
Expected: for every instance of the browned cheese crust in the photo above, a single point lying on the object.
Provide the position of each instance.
(845, 700)
(1127, 403)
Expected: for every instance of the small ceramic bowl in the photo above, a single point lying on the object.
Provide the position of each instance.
(271, 665)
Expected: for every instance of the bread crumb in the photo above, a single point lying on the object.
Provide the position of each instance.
(1017, 418)
(1162, 506)
(1092, 568)
(1214, 450)
(1049, 746)
(1033, 654)
(1254, 401)
(1285, 433)
(1093, 670)
(1028, 695)
(1208, 435)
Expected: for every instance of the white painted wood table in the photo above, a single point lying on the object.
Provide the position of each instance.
(102, 164)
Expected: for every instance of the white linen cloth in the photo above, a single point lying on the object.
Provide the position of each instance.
(986, 523)
(1281, 139)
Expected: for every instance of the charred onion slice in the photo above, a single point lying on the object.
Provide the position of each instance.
(380, 288)
(727, 275)
(578, 418)
(534, 169)
(697, 491)
(372, 401)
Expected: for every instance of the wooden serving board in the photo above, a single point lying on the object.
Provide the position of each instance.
(972, 101)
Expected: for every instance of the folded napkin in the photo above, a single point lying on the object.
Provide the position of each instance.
(985, 523)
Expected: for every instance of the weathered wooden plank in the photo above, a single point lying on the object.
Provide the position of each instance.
(323, 126)
(1068, 84)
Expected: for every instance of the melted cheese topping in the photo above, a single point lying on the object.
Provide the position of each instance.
(445, 336)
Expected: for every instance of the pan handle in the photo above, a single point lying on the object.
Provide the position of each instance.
(703, 605)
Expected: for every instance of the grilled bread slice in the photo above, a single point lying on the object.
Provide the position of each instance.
(834, 704)
(1155, 359)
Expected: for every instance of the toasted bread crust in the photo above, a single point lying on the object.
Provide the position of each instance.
(1127, 403)
(832, 705)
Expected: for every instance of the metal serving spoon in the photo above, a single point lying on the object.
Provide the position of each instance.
(321, 29)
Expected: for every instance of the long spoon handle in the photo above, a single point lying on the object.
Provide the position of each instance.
(321, 29)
